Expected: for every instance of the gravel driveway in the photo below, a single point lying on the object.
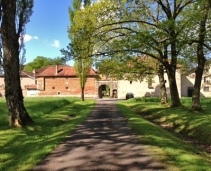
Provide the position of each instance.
(103, 142)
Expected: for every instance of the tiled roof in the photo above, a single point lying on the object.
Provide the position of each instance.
(59, 70)
(31, 87)
(23, 74)
(28, 74)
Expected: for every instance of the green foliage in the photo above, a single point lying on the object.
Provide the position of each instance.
(80, 38)
(82, 68)
(55, 118)
(128, 68)
(172, 151)
(40, 62)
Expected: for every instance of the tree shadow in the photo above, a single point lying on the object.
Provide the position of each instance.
(103, 142)
(32, 143)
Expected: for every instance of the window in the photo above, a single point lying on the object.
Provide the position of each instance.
(131, 82)
(53, 87)
(66, 87)
(58, 93)
(206, 79)
(206, 88)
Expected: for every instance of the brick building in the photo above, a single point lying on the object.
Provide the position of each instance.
(57, 80)
(62, 80)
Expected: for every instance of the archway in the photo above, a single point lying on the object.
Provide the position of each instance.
(107, 86)
(104, 91)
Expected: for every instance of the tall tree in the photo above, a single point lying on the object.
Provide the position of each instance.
(205, 8)
(82, 63)
(14, 15)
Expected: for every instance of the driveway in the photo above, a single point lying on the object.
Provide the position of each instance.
(103, 142)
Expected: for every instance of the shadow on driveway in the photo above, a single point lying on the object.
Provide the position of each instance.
(104, 142)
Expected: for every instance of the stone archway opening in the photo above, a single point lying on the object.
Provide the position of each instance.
(104, 91)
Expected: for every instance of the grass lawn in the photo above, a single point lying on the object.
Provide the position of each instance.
(55, 118)
(172, 150)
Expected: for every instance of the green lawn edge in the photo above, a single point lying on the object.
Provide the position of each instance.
(23, 149)
(165, 146)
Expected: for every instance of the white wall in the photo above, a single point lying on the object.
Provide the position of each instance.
(141, 89)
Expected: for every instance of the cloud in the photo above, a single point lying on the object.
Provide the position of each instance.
(56, 44)
(35, 37)
(27, 38)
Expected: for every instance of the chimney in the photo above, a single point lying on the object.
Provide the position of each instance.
(56, 69)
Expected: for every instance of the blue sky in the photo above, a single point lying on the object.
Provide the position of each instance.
(46, 33)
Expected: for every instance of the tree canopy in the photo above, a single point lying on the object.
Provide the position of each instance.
(82, 60)
(164, 30)
(40, 62)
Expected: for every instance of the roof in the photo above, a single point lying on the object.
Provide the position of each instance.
(23, 74)
(31, 87)
(28, 74)
(59, 70)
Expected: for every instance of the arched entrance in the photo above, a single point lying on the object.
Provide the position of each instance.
(104, 91)
(107, 89)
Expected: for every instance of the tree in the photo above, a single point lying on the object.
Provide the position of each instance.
(163, 93)
(82, 63)
(14, 16)
(153, 28)
(40, 62)
(204, 6)
(82, 67)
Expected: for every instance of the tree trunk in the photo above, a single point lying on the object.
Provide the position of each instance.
(173, 87)
(196, 105)
(18, 115)
(82, 93)
(163, 93)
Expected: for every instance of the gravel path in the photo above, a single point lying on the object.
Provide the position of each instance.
(103, 142)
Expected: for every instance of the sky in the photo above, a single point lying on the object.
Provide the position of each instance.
(46, 33)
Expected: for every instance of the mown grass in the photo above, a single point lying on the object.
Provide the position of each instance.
(172, 150)
(55, 118)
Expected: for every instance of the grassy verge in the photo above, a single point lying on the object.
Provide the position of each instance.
(170, 149)
(22, 149)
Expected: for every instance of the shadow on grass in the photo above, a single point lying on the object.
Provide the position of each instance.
(179, 120)
(23, 148)
(182, 155)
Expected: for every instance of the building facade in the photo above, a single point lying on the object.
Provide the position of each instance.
(61, 80)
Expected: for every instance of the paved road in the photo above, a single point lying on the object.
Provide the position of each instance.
(104, 142)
